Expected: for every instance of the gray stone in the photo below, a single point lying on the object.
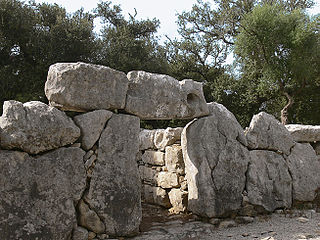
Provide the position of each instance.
(167, 179)
(174, 159)
(146, 138)
(269, 183)
(316, 147)
(304, 168)
(80, 233)
(91, 125)
(178, 200)
(159, 97)
(226, 120)
(156, 195)
(148, 175)
(38, 194)
(215, 165)
(115, 187)
(35, 127)
(82, 87)
(89, 218)
(304, 133)
(166, 137)
(153, 157)
(267, 133)
(227, 224)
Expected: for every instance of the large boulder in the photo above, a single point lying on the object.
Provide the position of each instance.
(304, 133)
(155, 97)
(35, 127)
(115, 187)
(304, 167)
(269, 183)
(215, 165)
(38, 194)
(82, 87)
(91, 125)
(226, 121)
(267, 133)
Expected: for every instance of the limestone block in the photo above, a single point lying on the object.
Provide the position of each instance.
(215, 165)
(35, 127)
(38, 194)
(168, 180)
(148, 175)
(269, 183)
(174, 159)
(159, 97)
(178, 200)
(304, 168)
(156, 195)
(115, 187)
(89, 219)
(166, 137)
(304, 133)
(146, 138)
(267, 133)
(153, 157)
(82, 87)
(91, 125)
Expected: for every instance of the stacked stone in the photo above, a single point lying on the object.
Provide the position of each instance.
(77, 177)
(162, 169)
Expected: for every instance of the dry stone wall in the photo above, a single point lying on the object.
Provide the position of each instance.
(86, 176)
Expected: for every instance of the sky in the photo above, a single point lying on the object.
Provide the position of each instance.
(164, 10)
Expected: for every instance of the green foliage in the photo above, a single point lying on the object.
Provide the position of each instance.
(129, 44)
(283, 48)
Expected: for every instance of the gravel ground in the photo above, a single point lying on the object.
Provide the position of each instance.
(278, 226)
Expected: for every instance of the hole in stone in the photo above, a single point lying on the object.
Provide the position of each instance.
(193, 99)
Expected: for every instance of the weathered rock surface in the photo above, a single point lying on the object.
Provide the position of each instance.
(216, 164)
(91, 125)
(269, 183)
(304, 133)
(148, 175)
(156, 195)
(159, 97)
(35, 127)
(80, 233)
(166, 137)
(174, 159)
(146, 138)
(304, 168)
(225, 121)
(167, 179)
(153, 157)
(38, 195)
(267, 133)
(178, 200)
(89, 219)
(115, 187)
(82, 87)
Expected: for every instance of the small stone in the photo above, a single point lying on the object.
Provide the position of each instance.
(214, 221)
(153, 157)
(303, 219)
(245, 234)
(90, 162)
(244, 219)
(103, 236)
(91, 235)
(267, 238)
(77, 145)
(87, 155)
(167, 180)
(80, 233)
(227, 224)
(89, 219)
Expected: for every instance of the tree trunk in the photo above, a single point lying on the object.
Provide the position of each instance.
(284, 111)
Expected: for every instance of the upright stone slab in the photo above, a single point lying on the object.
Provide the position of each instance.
(304, 167)
(267, 133)
(304, 133)
(82, 87)
(115, 187)
(38, 194)
(269, 183)
(35, 127)
(215, 165)
(158, 97)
